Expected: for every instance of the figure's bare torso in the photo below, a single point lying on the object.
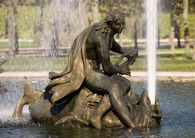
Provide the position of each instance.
(92, 50)
(93, 46)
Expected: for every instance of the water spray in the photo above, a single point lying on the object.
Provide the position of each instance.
(151, 8)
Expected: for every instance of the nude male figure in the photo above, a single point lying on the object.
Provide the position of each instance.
(90, 50)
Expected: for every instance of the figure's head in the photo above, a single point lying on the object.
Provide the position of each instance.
(116, 21)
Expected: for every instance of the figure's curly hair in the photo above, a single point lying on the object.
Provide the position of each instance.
(103, 26)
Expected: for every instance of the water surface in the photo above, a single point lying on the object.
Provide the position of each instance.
(177, 104)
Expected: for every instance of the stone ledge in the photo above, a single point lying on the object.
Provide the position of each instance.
(135, 76)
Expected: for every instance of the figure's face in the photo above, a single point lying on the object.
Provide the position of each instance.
(118, 23)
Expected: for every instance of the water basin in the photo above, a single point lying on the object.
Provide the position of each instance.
(177, 104)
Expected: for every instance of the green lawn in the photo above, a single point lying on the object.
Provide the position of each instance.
(21, 45)
(34, 64)
(59, 63)
(167, 64)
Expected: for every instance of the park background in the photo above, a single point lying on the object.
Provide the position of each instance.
(36, 35)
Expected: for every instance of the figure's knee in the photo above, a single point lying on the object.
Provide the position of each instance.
(126, 89)
(123, 83)
(63, 88)
(115, 90)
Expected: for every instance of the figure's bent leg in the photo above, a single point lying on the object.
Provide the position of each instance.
(101, 82)
(120, 106)
(103, 107)
(63, 90)
(125, 84)
(70, 85)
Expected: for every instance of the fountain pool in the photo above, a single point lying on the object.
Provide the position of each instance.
(177, 105)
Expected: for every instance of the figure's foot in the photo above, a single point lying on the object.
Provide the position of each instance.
(131, 125)
(96, 122)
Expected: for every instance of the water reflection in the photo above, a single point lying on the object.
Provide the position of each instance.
(177, 104)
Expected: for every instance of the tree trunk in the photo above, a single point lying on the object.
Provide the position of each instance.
(1, 3)
(134, 30)
(186, 30)
(171, 35)
(194, 44)
(158, 45)
(6, 20)
(12, 25)
(93, 13)
(177, 32)
(135, 35)
(158, 23)
(55, 38)
(96, 11)
(38, 31)
(90, 12)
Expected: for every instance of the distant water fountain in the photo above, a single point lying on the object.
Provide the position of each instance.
(10, 92)
(8, 99)
(59, 23)
(63, 20)
(151, 8)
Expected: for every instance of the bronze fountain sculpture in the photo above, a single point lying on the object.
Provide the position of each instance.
(89, 94)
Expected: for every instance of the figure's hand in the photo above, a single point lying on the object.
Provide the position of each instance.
(124, 70)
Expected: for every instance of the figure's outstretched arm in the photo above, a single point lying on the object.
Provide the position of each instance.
(130, 54)
(104, 55)
(118, 49)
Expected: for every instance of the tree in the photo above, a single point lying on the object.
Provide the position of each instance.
(171, 35)
(12, 26)
(194, 46)
(192, 11)
(38, 30)
(6, 20)
(136, 10)
(134, 22)
(92, 11)
(158, 22)
(186, 29)
(174, 7)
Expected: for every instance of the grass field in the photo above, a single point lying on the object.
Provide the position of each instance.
(167, 64)
(176, 63)
(21, 45)
(34, 63)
